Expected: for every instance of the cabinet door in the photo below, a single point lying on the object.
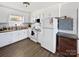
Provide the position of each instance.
(22, 34)
(48, 41)
(25, 33)
(14, 36)
(3, 15)
(5, 39)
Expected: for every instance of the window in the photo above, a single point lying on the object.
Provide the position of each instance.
(14, 19)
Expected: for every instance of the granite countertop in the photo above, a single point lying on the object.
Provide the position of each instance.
(15, 28)
(67, 35)
(10, 30)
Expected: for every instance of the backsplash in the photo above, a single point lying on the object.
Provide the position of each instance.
(7, 25)
(65, 24)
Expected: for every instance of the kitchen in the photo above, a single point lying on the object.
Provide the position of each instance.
(42, 24)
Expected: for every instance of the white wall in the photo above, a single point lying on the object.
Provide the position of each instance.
(46, 12)
(70, 10)
(5, 12)
(52, 11)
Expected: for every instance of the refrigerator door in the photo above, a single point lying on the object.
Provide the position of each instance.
(49, 39)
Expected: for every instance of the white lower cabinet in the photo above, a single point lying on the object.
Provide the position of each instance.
(11, 37)
(14, 36)
(22, 34)
(5, 39)
(25, 33)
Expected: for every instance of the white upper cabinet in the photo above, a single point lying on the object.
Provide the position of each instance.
(3, 15)
(6, 12)
(27, 18)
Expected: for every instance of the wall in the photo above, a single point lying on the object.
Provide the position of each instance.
(70, 10)
(52, 11)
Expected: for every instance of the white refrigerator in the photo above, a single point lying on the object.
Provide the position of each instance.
(50, 29)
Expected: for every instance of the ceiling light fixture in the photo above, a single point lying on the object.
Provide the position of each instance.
(26, 3)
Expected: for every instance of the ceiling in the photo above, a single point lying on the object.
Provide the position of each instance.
(32, 7)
